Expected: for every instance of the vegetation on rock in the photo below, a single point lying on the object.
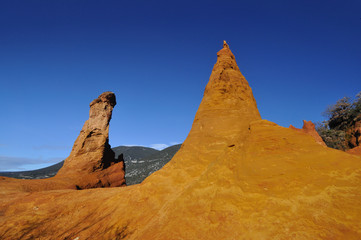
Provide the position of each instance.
(341, 131)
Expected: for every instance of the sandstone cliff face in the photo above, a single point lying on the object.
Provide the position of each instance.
(235, 177)
(309, 128)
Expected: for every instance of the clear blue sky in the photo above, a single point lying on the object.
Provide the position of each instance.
(157, 56)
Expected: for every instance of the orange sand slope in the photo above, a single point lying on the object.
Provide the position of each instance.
(235, 177)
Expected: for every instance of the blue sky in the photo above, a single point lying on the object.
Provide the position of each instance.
(157, 56)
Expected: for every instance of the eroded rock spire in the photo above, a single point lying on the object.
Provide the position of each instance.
(91, 152)
(228, 100)
(309, 128)
(91, 163)
(225, 45)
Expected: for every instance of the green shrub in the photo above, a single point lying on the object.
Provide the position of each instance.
(341, 117)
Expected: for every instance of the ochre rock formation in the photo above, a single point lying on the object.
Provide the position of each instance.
(355, 134)
(235, 177)
(355, 151)
(309, 128)
(91, 162)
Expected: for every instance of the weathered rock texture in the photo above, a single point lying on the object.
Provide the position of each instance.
(92, 160)
(235, 177)
(91, 151)
(91, 163)
(355, 135)
(355, 151)
(309, 128)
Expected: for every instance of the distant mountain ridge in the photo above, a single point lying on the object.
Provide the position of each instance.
(137, 169)
(139, 162)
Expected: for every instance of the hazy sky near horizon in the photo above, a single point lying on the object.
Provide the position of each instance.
(157, 56)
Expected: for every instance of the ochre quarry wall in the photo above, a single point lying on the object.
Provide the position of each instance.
(235, 177)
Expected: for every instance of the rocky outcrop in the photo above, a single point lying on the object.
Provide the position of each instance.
(309, 128)
(236, 176)
(354, 134)
(91, 163)
(227, 108)
(92, 160)
(355, 151)
(91, 151)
